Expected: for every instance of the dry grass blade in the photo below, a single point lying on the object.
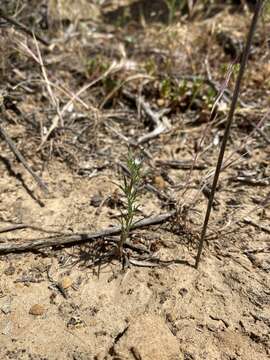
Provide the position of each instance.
(45, 76)
(54, 100)
(114, 67)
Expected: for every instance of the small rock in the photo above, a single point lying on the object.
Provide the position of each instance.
(183, 292)
(6, 309)
(10, 270)
(159, 182)
(160, 102)
(75, 322)
(37, 309)
(96, 200)
(188, 356)
(65, 282)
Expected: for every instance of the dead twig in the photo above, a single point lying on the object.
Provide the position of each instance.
(160, 127)
(181, 164)
(161, 195)
(258, 226)
(22, 27)
(128, 141)
(20, 157)
(55, 102)
(228, 161)
(154, 262)
(257, 251)
(57, 241)
(118, 87)
(251, 181)
(15, 227)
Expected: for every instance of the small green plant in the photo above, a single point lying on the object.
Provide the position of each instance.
(267, 11)
(130, 190)
(195, 91)
(171, 91)
(173, 6)
(209, 97)
(95, 66)
(189, 91)
(151, 67)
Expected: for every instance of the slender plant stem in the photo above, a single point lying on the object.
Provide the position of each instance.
(244, 60)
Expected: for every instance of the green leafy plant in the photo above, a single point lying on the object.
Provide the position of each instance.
(96, 66)
(151, 67)
(184, 91)
(209, 97)
(130, 190)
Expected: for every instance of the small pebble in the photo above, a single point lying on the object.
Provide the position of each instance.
(159, 182)
(37, 309)
(96, 200)
(161, 102)
(10, 270)
(65, 282)
(6, 309)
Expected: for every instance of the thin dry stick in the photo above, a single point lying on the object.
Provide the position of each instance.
(20, 157)
(228, 125)
(31, 245)
(22, 27)
(156, 117)
(258, 226)
(15, 227)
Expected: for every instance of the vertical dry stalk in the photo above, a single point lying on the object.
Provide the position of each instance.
(244, 59)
